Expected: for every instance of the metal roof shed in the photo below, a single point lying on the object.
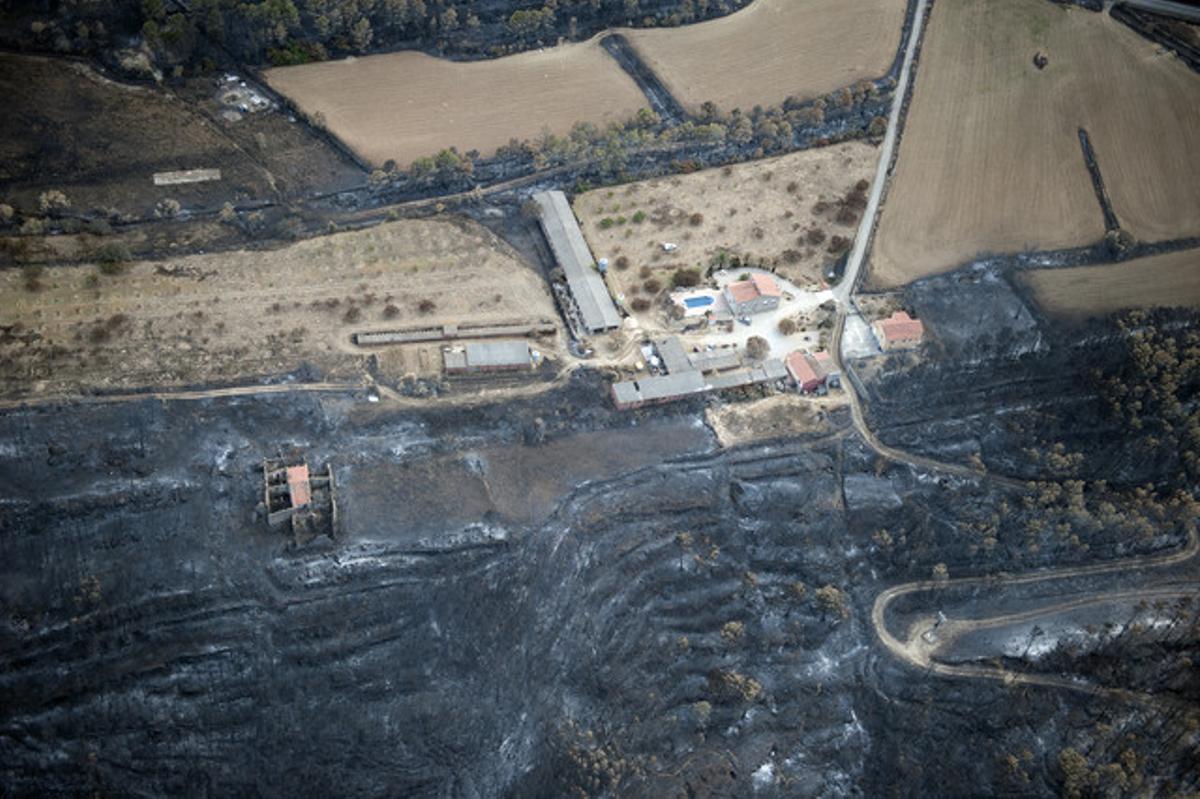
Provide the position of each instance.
(572, 253)
(498, 354)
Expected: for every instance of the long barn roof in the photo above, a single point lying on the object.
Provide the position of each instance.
(566, 240)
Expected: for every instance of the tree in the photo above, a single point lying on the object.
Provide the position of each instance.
(686, 278)
(757, 348)
(361, 34)
(832, 599)
(787, 326)
(53, 201)
(167, 209)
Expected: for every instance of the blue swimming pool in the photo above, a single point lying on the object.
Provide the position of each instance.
(698, 302)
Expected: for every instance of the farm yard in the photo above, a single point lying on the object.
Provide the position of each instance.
(772, 50)
(1171, 280)
(67, 128)
(788, 214)
(991, 161)
(408, 105)
(216, 319)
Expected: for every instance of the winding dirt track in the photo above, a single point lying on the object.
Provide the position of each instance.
(917, 652)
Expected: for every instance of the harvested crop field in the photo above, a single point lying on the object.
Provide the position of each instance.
(232, 317)
(1161, 280)
(66, 127)
(990, 160)
(782, 213)
(774, 49)
(403, 106)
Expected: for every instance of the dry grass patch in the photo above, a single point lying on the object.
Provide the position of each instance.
(780, 416)
(991, 160)
(226, 317)
(767, 210)
(407, 105)
(1169, 280)
(774, 49)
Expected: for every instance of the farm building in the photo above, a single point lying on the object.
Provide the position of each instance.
(768, 371)
(833, 375)
(487, 356)
(588, 291)
(675, 358)
(292, 494)
(759, 293)
(899, 331)
(807, 370)
(631, 394)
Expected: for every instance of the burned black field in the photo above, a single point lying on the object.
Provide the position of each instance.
(605, 604)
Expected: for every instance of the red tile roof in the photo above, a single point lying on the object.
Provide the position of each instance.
(805, 370)
(766, 285)
(742, 291)
(757, 286)
(901, 327)
(297, 477)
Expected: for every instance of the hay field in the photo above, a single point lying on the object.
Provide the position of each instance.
(990, 159)
(407, 105)
(1167, 280)
(230, 317)
(762, 209)
(774, 49)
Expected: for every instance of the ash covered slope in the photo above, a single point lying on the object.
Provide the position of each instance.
(697, 625)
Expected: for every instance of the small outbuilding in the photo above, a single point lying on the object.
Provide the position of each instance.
(806, 371)
(758, 294)
(898, 332)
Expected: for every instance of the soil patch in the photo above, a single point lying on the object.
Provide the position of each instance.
(774, 49)
(407, 105)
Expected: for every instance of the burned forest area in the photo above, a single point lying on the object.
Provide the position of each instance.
(698, 624)
(591, 399)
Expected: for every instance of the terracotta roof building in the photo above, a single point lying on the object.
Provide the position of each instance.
(759, 293)
(298, 487)
(898, 331)
(806, 370)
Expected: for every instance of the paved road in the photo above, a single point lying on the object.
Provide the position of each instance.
(1166, 8)
(858, 252)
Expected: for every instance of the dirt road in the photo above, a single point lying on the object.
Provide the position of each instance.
(858, 252)
(917, 651)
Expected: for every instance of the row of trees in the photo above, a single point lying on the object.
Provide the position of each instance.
(291, 31)
(610, 149)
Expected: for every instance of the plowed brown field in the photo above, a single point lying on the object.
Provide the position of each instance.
(774, 49)
(990, 159)
(406, 105)
(1168, 280)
